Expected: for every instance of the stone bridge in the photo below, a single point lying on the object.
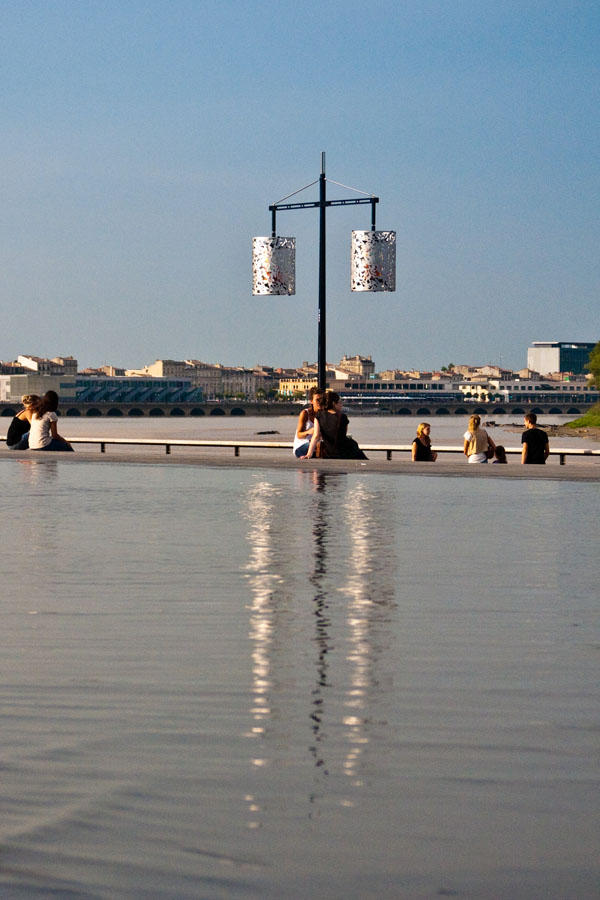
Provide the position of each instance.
(398, 408)
(117, 410)
(431, 408)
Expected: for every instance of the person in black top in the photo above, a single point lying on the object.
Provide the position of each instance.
(330, 439)
(535, 442)
(421, 446)
(18, 430)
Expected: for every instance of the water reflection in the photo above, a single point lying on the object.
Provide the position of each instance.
(369, 587)
(321, 572)
(322, 520)
(260, 504)
(37, 472)
(35, 480)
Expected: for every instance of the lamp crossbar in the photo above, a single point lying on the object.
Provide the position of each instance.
(316, 204)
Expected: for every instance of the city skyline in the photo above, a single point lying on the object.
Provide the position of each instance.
(543, 358)
(143, 145)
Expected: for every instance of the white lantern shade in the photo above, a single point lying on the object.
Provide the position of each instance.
(273, 265)
(373, 261)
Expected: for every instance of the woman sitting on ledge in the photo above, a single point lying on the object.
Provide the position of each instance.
(44, 434)
(18, 430)
(330, 439)
(421, 446)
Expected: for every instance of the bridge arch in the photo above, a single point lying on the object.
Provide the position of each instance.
(73, 412)
(156, 411)
(404, 411)
(518, 411)
(177, 411)
(114, 412)
(480, 411)
(442, 411)
(7, 411)
(499, 410)
(423, 411)
(217, 411)
(537, 410)
(574, 411)
(135, 411)
(237, 411)
(554, 411)
(92, 412)
(461, 411)
(196, 411)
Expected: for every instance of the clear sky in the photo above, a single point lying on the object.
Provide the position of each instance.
(142, 142)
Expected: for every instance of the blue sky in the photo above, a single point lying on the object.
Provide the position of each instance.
(143, 142)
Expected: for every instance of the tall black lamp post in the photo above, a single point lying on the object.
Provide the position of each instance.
(373, 258)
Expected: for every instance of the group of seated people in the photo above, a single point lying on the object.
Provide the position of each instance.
(322, 429)
(34, 427)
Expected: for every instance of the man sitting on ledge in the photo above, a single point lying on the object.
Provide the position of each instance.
(535, 442)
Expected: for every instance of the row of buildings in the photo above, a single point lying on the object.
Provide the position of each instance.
(554, 368)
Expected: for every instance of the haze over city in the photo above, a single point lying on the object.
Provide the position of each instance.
(143, 143)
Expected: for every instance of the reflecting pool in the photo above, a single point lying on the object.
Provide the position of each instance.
(223, 683)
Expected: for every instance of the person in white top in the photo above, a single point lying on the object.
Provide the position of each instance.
(478, 446)
(44, 434)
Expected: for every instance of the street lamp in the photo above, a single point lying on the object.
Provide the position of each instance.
(373, 257)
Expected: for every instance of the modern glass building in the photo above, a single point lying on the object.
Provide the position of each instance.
(558, 356)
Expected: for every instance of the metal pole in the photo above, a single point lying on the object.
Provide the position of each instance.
(322, 350)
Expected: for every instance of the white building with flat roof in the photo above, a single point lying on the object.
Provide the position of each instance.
(13, 387)
(558, 356)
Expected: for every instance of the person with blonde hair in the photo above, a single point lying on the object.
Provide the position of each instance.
(18, 430)
(421, 446)
(478, 446)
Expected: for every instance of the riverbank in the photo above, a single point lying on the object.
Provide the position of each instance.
(589, 432)
(592, 433)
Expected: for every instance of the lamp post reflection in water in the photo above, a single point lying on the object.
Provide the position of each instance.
(321, 523)
(260, 502)
(369, 586)
(321, 572)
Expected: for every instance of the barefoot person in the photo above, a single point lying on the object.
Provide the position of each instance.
(306, 421)
(330, 439)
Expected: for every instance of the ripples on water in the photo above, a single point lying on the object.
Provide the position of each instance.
(220, 683)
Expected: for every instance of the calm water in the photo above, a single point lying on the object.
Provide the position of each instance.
(271, 685)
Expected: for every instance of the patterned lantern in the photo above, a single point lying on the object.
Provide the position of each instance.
(273, 265)
(373, 266)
